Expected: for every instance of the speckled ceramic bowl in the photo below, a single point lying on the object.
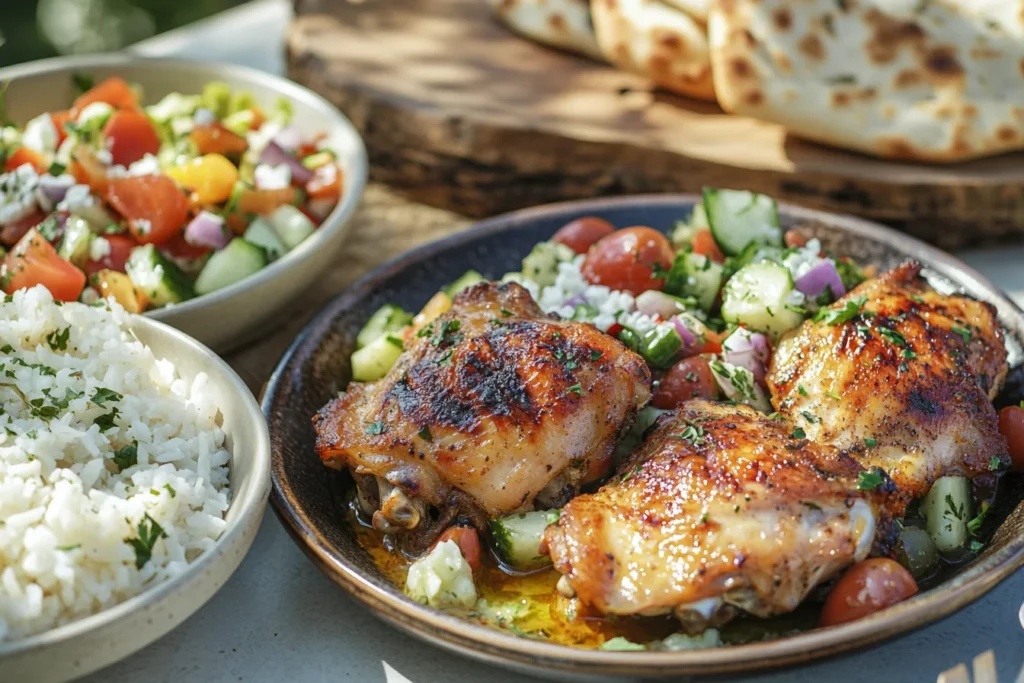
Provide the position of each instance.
(309, 498)
(83, 646)
(249, 308)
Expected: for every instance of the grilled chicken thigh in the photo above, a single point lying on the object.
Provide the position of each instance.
(721, 508)
(492, 407)
(900, 376)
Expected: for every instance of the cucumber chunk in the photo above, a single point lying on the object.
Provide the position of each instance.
(517, 538)
(234, 262)
(762, 297)
(541, 264)
(465, 281)
(660, 346)
(388, 318)
(697, 276)
(946, 510)
(74, 245)
(263, 235)
(374, 360)
(161, 280)
(291, 225)
(739, 217)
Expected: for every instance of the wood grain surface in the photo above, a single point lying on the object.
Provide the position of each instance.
(459, 113)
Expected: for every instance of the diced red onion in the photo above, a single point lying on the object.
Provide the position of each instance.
(51, 190)
(576, 300)
(820, 278)
(749, 350)
(687, 335)
(758, 400)
(288, 139)
(652, 302)
(203, 117)
(274, 155)
(207, 230)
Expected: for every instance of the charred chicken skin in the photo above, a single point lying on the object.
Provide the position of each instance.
(901, 377)
(721, 508)
(493, 407)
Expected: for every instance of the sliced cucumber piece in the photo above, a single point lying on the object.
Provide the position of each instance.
(291, 225)
(162, 281)
(234, 262)
(374, 360)
(946, 510)
(697, 276)
(465, 281)
(541, 264)
(660, 346)
(74, 245)
(262, 235)
(388, 318)
(517, 538)
(739, 217)
(762, 297)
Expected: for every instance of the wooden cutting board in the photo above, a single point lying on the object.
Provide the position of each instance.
(461, 114)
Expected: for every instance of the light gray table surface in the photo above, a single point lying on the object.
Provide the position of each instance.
(280, 619)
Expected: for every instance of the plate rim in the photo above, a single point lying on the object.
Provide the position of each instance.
(496, 647)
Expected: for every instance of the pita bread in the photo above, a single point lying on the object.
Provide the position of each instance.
(564, 24)
(698, 9)
(934, 80)
(654, 40)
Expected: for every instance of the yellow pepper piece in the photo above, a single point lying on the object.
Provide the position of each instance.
(438, 305)
(111, 283)
(210, 178)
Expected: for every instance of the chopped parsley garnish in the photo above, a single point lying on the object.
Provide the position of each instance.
(813, 506)
(870, 479)
(170, 490)
(101, 396)
(69, 548)
(58, 339)
(426, 435)
(376, 428)
(893, 336)
(799, 434)
(963, 332)
(810, 417)
(446, 358)
(7, 348)
(833, 394)
(800, 390)
(994, 463)
(576, 389)
(693, 433)
(45, 412)
(976, 546)
(447, 333)
(915, 297)
(505, 313)
(777, 416)
(595, 354)
(837, 316)
(974, 526)
(909, 353)
(106, 421)
(127, 456)
(870, 443)
(149, 534)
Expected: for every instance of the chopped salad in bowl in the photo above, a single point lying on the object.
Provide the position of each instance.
(155, 204)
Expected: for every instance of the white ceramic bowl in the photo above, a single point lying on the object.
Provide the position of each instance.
(249, 308)
(83, 646)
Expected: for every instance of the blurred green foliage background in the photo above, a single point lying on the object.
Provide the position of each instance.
(33, 29)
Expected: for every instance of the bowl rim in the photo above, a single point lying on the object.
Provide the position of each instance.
(496, 646)
(248, 506)
(331, 226)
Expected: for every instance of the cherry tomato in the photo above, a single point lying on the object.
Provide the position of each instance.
(115, 91)
(467, 540)
(13, 232)
(704, 243)
(866, 588)
(794, 239)
(712, 342)
(154, 206)
(120, 249)
(34, 261)
(325, 183)
(59, 118)
(626, 258)
(129, 136)
(1011, 425)
(216, 139)
(24, 155)
(178, 248)
(688, 379)
(264, 201)
(582, 233)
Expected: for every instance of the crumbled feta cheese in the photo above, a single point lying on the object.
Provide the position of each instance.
(89, 296)
(258, 139)
(442, 578)
(77, 196)
(104, 156)
(181, 126)
(147, 165)
(97, 113)
(173, 105)
(269, 177)
(18, 193)
(203, 117)
(50, 186)
(41, 135)
(142, 226)
(801, 260)
(99, 248)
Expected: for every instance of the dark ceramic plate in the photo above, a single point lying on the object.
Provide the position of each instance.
(310, 499)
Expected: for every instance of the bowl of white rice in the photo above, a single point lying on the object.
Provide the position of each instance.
(134, 471)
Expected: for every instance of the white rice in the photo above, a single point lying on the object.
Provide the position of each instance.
(67, 510)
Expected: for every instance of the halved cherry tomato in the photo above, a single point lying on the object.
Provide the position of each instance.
(120, 249)
(264, 201)
(88, 170)
(59, 118)
(216, 139)
(1011, 426)
(325, 183)
(129, 135)
(582, 233)
(704, 243)
(866, 588)
(13, 232)
(237, 222)
(154, 206)
(626, 260)
(115, 91)
(688, 379)
(25, 155)
(468, 541)
(712, 342)
(794, 239)
(34, 261)
(178, 248)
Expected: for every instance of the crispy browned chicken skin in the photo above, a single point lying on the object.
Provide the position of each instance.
(491, 407)
(904, 384)
(720, 508)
